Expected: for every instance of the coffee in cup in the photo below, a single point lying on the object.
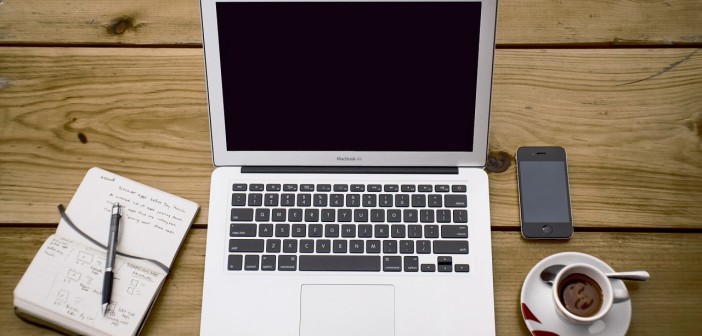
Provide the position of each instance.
(582, 293)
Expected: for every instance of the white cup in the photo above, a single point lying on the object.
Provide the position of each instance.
(584, 293)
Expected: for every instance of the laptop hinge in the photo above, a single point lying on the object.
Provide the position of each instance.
(348, 170)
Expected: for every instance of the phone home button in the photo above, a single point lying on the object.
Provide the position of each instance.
(547, 229)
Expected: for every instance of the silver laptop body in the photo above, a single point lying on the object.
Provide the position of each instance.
(349, 196)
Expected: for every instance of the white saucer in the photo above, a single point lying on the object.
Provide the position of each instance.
(539, 312)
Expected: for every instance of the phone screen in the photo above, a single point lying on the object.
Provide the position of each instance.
(544, 191)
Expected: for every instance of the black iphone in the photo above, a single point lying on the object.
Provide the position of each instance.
(544, 195)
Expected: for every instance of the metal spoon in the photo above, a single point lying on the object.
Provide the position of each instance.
(549, 274)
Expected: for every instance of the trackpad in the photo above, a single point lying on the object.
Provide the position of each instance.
(347, 310)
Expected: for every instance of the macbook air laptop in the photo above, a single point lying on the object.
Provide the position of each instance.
(349, 139)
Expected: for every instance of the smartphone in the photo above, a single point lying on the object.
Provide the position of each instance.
(544, 193)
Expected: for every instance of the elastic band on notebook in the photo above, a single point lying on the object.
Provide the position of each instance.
(62, 211)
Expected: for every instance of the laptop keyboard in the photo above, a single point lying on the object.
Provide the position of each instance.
(348, 227)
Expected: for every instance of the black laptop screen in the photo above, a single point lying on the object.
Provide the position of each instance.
(349, 76)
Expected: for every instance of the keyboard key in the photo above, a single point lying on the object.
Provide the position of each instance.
(265, 230)
(454, 231)
(443, 188)
(336, 200)
(251, 263)
(328, 215)
(370, 200)
(282, 230)
(299, 230)
(304, 200)
(279, 215)
(431, 231)
(423, 246)
(324, 187)
(256, 187)
(242, 230)
(372, 246)
(461, 268)
(331, 230)
(411, 264)
(450, 247)
(235, 262)
(290, 246)
(425, 188)
(360, 215)
(391, 188)
(307, 187)
(287, 263)
(239, 187)
(341, 187)
(255, 199)
(365, 231)
(238, 199)
(340, 246)
(456, 201)
(375, 188)
(390, 246)
(443, 216)
(419, 201)
(271, 200)
(348, 231)
(426, 216)
(273, 187)
(289, 187)
(392, 264)
(263, 215)
(311, 215)
(295, 215)
(382, 231)
(358, 188)
(408, 188)
(320, 200)
(273, 245)
(345, 215)
(316, 230)
(268, 263)
(377, 215)
(323, 246)
(385, 200)
(353, 200)
(242, 215)
(245, 245)
(356, 246)
(394, 215)
(428, 268)
(406, 246)
(340, 263)
(397, 231)
(402, 200)
(287, 200)
(414, 231)
(306, 245)
(435, 201)
(459, 188)
(410, 215)
(460, 216)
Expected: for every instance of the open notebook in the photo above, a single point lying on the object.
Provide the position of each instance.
(62, 287)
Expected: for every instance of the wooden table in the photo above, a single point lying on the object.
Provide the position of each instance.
(618, 83)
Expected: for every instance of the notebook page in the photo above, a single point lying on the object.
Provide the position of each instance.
(64, 284)
(153, 222)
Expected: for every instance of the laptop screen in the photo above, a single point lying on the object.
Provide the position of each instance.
(349, 76)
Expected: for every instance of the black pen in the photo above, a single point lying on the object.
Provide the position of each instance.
(111, 251)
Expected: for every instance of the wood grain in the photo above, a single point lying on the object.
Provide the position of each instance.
(630, 119)
(668, 304)
(520, 22)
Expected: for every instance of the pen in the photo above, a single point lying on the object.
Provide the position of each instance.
(111, 251)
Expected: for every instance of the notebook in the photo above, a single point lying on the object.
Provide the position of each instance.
(349, 139)
(62, 287)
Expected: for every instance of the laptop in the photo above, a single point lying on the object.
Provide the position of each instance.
(349, 139)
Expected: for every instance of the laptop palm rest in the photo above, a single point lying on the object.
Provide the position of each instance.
(347, 310)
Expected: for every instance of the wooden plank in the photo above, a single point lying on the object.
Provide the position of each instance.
(521, 22)
(630, 119)
(666, 305)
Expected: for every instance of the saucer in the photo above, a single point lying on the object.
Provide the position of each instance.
(539, 312)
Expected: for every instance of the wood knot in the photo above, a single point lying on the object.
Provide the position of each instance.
(498, 162)
(121, 25)
(82, 138)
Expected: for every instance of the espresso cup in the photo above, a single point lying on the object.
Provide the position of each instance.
(584, 294)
